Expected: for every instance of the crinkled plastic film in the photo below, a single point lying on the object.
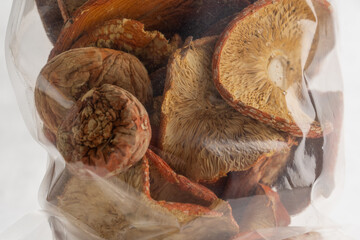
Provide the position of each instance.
(182, 119)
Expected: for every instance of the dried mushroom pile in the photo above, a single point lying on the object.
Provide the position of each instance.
(180, 119)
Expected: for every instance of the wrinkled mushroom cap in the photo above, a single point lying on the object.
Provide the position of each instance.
(107, 129)
(259, 63)
(204, 136)
(70, 75)
(151, 47)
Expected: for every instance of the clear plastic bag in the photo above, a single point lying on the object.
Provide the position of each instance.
(182, 119)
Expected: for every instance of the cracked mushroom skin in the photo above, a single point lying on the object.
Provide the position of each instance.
(151, 47)
(67, 77)
(202, 136)
(259, 62)
(108, 129)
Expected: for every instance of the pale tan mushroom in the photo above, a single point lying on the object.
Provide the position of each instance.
(259, 63)
(205, 137)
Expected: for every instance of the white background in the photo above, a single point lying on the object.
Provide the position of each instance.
(23, 161)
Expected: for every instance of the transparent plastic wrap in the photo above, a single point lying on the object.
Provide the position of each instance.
(182, 119)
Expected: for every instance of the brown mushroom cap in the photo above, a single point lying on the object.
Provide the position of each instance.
(151, 47)
(108, 129)
(70, 75)
(162, 15)
(259, 62)
(205, 137)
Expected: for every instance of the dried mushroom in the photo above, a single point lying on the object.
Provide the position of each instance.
(259, 62)
(70, 75)
(51, 18)
(151, 47)
(107, 129)
(163, 15)
(203, 137)
(116, 211)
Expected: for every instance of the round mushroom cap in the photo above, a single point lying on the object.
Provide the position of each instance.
(108, 129)
(202, 136)
(259, 65)
(67, 77)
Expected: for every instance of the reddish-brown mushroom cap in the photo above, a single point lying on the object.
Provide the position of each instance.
(259, 62)
(108, 129)
(203, 136)
(161, 15)
(67, 77)
(151, 47)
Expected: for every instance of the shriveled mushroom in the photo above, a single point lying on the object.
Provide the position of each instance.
(118, 207)
(203, 136)
(163, 15)
(70, 75)
(259, 62)
(51, 18)
(107, 130)
(151, 47)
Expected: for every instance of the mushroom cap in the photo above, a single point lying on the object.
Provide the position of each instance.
(203, 136)
(67, 77)
(107, 130)
(259, 62)
(151, 47)
(162, 15)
